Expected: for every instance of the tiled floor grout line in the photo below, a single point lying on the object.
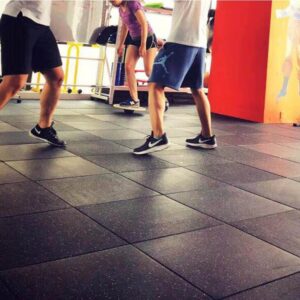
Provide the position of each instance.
(175, 273)
(258, 286)
(223, 182)
(166, 195)
(239, 187)
(236, 227)
(2, 271)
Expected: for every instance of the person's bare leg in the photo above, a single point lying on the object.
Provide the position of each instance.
(149, 60)
(9, 86)
(50, 95)
(156, 108)
(132, 56)
(203, 109)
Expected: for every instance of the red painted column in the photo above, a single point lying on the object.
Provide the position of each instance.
(237, 85)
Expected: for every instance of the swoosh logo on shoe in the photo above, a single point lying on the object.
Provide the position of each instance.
(38, 132)
(151, 145)
(204, 141)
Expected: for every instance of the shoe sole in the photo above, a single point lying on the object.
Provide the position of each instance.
(202, 146)
(44, 140)
(151, 150)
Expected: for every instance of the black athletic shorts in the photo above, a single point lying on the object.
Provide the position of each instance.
(27, 46)
(150, 43)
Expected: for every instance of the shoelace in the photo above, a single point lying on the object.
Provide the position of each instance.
(52, 133)
(148, 137)
(52, 128)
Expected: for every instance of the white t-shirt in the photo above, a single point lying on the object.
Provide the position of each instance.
(38, 11)
(189, 23)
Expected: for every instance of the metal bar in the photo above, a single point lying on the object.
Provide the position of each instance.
(68, 85)
(84, 58)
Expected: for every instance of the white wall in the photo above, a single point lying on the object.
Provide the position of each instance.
(2, 5)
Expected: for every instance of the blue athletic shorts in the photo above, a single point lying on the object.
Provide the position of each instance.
(178, 66)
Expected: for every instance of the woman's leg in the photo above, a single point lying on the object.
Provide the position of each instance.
(149, 60)
(132, 56)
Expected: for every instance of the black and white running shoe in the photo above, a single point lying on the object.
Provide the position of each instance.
(48, 135)
(130, 103)
(152, 144)
(202, 142)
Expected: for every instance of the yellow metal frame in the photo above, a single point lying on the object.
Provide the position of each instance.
(77, 53)
(37, 85)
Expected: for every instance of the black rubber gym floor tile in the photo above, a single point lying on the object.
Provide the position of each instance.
(234, 128)
(76, 136)
(278, 166)
(284, 289)
(5, 294)
(9, 175)
(121, 273)
(275, 150)
(136, 143)
(58, 111)
(182, 133)
(29, 117)
(182, 123)
(218, 132)
(117, 117)
(285, 191)
(96, 189)
(189, 157)
(288, 132)
(127, 162)
(31, 151)
(173, 132)
(117, 134)
(221, 260)
(5, 127)
(97, 147)
(281, 230)
(74, 118)
(32, 239)
(101, 110)
(27, 126)
(14, 110)
(148, 218)
(293, 145)
(70, 104)
(239, 154)
(25, 198)
(41, 169)
(233, 173)
(229, 204)
(92, 125)
(9, 138)
(172, 180)
(241, 139)
(296, 179)
(275, 138)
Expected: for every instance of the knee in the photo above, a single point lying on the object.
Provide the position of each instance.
(57, 81)
(198, 93)
(129, 68)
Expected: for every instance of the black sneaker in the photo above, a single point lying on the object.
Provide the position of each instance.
(201, 142)
(130, 103)
(48, 135)
(152, 144)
